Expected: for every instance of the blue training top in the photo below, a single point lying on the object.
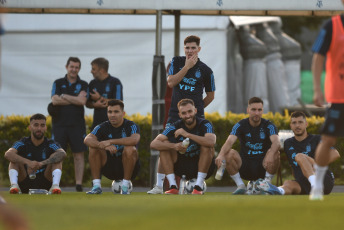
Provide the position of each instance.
(191, 86)
(254, 141)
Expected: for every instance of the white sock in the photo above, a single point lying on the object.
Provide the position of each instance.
(171, 179)
(97, 183)
(269, 176)
(57, 176)
(160, 179)
(13, 174)
(237, 179)
(311, 180)
(281, 190)
(319, 176)
(200, 179)
(125, 182)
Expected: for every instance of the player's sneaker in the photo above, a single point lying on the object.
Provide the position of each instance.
(197, 190)
(316, 194)
(240, 191)
(78, 188)
(249, 188)
(15, 189)
(95, 190)
(173, 190)
(125, 190)
(267, 187)
(156, 190)
(55, 189)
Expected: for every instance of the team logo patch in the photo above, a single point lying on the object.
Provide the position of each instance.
(107, 88)
(262, 135)
(308, 148)
(77, 88)
(248, 135)
(198, 74)
(110, 136)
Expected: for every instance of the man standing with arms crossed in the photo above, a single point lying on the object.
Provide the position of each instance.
(188, 76)
(329, 43)
(102, 88)
(69, 95)
(259, 144)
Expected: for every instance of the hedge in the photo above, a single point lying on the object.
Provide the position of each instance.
(14, 127)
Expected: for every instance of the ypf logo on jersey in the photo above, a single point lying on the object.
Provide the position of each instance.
(187, 87)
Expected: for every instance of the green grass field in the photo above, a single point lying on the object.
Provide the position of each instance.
(212, 211)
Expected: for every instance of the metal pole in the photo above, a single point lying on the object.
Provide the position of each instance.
(176, 33)
(158, 94)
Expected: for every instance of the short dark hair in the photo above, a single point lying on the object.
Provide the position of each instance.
(253, 100)
(38, 116)
(192, 38)
(73, 59)
(115, 102)
(102, 63)
(296, 114)
(185, 101)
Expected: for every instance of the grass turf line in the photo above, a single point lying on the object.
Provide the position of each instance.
(212, 211)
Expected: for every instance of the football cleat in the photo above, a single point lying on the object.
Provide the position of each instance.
(316, 194)
(125, 190)
(95, 190)
(197, 190)
(265, 186)
(173, 190)
(15, 189)
(249, 188)
(78, 188)
(239, 191)
(55, 189)
(156, 190)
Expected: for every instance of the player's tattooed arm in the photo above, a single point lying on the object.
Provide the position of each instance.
(56, 157)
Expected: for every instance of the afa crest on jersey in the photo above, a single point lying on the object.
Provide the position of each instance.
(77, 88)
(262, 135)
(107, 88)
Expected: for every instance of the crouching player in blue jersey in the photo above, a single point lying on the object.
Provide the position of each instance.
(300, 151)
(35, 155)
(112, 147)
(194, 161)
(259, 144)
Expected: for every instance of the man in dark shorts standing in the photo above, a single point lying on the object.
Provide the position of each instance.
(329, 44)
(259, 144)
(194, 161)
(35, 155)
(112, 146)
(103, 88)
(300, 151)
(69, 95)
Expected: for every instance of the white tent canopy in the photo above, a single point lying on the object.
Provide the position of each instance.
(199, 7)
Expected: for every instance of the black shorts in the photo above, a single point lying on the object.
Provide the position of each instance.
(252, 169)
(188, 166)
(40, 182)
(113, 168)
(334, 125)
(72, 135)
(306, 186)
